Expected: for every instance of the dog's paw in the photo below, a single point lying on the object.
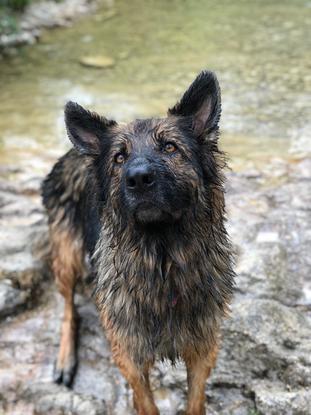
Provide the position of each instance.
(65, 375)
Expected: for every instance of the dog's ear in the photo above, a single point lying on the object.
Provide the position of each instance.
(201, 103)
(86, 130)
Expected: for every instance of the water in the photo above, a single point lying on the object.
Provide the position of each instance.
(259, 49)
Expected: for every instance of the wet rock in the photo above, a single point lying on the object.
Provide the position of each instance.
(228, 400)
(52, 14)
(272, 399)
(11, 298)
(256, 344)
(28, 348)
(22, 266)
(17, 39)
(264, 364)
(100, 62)
(60, 400)
(43, 15)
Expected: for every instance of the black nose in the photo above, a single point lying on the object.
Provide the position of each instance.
(140, 178)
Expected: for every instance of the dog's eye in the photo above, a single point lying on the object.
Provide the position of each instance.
(170, 147)
(119, 158)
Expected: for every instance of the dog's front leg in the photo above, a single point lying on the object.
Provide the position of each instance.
(138, 380)
(198, 370)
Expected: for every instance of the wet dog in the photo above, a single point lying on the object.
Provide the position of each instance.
(145, 201)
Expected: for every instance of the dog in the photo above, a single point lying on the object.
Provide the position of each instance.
(145, 203)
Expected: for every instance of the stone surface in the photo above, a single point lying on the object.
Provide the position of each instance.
(273, 400)
(11, 298)
(22, 226)
(46, 14)
(264, 365)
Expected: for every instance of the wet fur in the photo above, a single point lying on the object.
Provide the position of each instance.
(140, 273)
(161, 289)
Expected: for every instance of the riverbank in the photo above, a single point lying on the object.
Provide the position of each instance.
(27, 26)
(264, 366)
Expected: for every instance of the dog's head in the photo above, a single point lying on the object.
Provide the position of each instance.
(151, 170)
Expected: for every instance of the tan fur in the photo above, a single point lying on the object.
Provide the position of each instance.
(137, 376)
(198, 371)
(67, 265)
(138, 379)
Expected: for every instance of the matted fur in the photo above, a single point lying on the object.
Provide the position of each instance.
(139, 275)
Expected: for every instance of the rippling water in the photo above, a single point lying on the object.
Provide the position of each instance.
(259, 49)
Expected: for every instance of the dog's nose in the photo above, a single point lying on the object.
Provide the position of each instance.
(140, 178)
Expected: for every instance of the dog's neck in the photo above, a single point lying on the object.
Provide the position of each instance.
(162, 263)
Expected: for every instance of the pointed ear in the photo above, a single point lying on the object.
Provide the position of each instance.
(202, 103)
(86, 129)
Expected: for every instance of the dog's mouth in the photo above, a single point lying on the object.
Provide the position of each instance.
(149, 213)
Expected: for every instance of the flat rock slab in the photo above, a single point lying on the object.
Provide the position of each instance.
(264, 365)
(22, 226)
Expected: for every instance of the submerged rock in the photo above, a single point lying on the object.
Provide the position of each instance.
(100, 62)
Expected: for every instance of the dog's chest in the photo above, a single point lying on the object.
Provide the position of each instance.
(158, 311)
(158, 324)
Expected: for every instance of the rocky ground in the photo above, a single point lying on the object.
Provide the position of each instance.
(264, 366)
(46, 14)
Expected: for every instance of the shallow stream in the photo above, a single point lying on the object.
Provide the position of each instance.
(259, 49)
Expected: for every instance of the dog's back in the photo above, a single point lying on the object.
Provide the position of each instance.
(69, 195)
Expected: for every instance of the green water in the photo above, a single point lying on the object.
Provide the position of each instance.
(260, 50)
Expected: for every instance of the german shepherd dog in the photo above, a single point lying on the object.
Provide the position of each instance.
(145, 203)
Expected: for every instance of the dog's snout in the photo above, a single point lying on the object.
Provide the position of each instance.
(140, 178)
